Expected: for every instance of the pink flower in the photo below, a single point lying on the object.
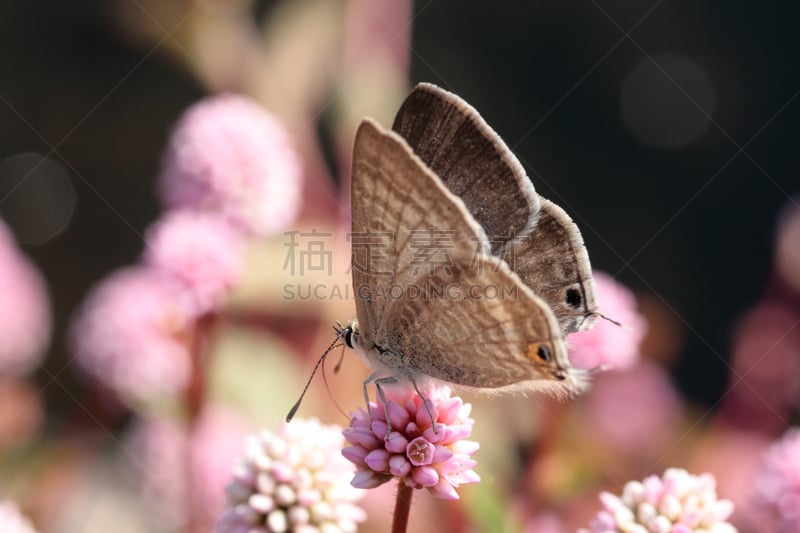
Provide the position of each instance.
(201, 249)
(133, 331)
(438, 459)
(734, 458)
(787, 247)
(156, 451)
(228, 155)
(217, 441)
(777, 484)
(632, 427)
(12, 521)
(183, 471)
(608, 343)
(677, 502)
(293, 480)
(24, 310)
(765, 382)
(544, 523)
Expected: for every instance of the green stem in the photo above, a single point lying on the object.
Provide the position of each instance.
(402, 507)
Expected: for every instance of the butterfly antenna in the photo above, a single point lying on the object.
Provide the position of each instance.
(338, 365)
(328, 388)
(296, 406)
(604, 317)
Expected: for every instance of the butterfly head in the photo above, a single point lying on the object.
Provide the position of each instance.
(347, 333)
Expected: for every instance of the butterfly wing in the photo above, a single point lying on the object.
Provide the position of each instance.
(552, 261)
(438, 318)
(397, 204)
(454, 141)
(548, 252)
(479, 326)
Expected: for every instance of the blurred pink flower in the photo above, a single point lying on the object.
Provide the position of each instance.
(677, 502)
(217, 441)
(24, 310)
(632, 411)
(765, 381)
(228, 155)
(437, 459)
(156, 450)
(787, 248)
(777, 484)
(544, 523)
(183, 471)
(132, 334)
(734, 457)
(202, 249)
(293, 480)
(12, 521)
(608, 343)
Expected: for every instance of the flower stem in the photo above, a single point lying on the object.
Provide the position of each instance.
(402, 508)
(195, 391)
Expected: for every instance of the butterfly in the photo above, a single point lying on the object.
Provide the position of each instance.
(462, 273)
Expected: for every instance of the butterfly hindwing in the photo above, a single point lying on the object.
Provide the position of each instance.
(476, 325)
(454, 141)
(552, 261)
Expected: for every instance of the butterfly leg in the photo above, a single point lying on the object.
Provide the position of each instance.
(379, 382)
(427, 403)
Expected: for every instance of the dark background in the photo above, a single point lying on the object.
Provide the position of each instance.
(691, 225)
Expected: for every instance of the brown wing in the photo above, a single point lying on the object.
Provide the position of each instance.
(397, 202)
(480, 327)
(454, 141)
(552, 261)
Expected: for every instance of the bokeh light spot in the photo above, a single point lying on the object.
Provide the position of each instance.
(666, 101)
(37, 198)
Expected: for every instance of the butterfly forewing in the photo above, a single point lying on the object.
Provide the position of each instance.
(405, 222)
(454, 141)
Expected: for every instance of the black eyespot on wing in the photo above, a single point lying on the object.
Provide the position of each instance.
(544, 353)
(574, 298)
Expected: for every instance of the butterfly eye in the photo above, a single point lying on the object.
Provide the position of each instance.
(544, 353)
(574, 297)
(347, 334)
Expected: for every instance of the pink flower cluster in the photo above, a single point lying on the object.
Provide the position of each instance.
(777, 484)
(182, 471)
(292, 480)
(609, 417)
(413, 449)
(24, 310)
(229, 156)
(133, 334)
(231, 174)
(201, 249)
(677, 502)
